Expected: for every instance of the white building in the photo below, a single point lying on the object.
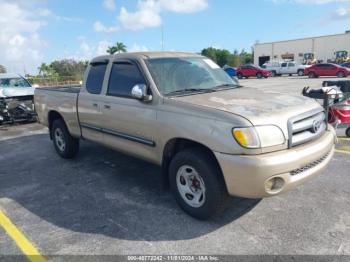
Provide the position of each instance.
(323, 47)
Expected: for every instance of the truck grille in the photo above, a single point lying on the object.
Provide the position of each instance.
(306, 127)
(309, 166)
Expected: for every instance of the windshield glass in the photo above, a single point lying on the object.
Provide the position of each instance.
(14, 82)
(173, 75)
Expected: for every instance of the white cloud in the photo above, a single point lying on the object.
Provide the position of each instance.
(109, 5)
(148, 12)
(102, 47)
(86, 50)
(341, 14)
(140, 19)
(184, 6)
(99, 27)
(138, 48)
(21, 46)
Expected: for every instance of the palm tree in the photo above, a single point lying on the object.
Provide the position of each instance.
(118, 48)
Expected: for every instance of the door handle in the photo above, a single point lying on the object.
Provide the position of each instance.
(95, 105)
(107, 106)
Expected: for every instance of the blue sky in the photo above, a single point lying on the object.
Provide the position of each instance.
(36, 31)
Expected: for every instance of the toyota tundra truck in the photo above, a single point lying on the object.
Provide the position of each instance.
(211, 137)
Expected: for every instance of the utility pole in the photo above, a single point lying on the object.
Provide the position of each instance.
(162, 36)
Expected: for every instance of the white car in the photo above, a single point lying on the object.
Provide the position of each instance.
(16, 99)
(285, 68)
(13, 85)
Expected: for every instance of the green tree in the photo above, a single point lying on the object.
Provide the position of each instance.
(69, 68)
(246, 58)
(224, 57)
(210, 53)
(118, 48)
(2, 69)
(46, 70)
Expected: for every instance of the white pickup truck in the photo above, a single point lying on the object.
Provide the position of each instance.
(285, 68)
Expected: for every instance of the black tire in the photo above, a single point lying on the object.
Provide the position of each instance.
(347, 132)
(300, 72)
(340, 74)
(259, 75)
(273, 73)
(240, 76)
(71, 144)
(312, 75)
(215, 196)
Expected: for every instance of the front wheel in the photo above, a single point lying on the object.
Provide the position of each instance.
(240, 76)
(312, 75)
(197, 183)
(340, 74)
(259, 75)
(66, 145)
(347, 132)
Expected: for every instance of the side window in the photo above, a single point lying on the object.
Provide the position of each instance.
(291, 65)
(284, 65)
(124, 76)
(95, 78)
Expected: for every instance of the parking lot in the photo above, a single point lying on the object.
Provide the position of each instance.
(106, 203)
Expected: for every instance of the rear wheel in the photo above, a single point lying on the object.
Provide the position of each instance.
(347, 132)
(197, 183)
(240, 76)
(66, 145)
(300, 72)
(259, 75)
(340, 74)
(273, 73)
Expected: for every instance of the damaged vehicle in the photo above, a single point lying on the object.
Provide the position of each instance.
(16, 99)
(211, 137)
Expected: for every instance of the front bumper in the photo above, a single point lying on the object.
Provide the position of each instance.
(249, 176)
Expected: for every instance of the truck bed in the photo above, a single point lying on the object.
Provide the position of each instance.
(61, 100)
(68, 89)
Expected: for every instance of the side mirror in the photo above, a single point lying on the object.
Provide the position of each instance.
(139, 92)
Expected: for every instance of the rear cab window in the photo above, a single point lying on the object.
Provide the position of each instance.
(95, 77)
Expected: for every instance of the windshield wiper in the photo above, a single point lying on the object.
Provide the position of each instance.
(190, 90)
(224, 87)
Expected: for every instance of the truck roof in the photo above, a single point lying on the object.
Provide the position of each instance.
(145, 55)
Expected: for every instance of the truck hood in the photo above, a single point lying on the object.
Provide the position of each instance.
(16, 91)
(257, 106)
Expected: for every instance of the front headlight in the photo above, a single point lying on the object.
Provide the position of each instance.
(259, 136)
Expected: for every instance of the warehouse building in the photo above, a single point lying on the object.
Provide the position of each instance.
(323, 48)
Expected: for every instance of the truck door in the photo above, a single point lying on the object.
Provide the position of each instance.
(89, 102)
(284, 68)
(128, 123)
(291, 68)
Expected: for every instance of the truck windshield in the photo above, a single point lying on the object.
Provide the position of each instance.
(14, 82)
(177, 75)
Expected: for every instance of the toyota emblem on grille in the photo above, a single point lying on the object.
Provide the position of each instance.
(316, 126)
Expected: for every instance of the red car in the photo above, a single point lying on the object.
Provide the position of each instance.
(252, 71)
(326, 70)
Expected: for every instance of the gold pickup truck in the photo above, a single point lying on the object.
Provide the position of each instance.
(211, 137)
